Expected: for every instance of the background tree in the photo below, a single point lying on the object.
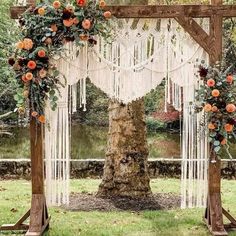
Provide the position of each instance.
(126, 170)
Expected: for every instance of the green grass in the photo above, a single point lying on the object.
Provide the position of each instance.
(15, 200)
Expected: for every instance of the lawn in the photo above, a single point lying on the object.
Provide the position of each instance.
(15, 199)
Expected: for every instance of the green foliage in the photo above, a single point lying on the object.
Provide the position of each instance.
(154, 125)
(9, 33)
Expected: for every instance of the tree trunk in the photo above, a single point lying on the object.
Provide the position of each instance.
(125, 171)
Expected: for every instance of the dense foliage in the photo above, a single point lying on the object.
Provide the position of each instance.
(46, 28)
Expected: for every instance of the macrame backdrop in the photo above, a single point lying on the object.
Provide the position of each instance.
(144, 52)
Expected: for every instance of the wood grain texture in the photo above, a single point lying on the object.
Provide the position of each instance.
(158, 11)
(196, 31)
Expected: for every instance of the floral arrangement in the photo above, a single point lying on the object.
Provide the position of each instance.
(217, 97)
(45, 29)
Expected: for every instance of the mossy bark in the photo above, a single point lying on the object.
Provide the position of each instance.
(125, 170)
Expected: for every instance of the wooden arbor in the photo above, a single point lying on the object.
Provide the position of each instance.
(211, 43)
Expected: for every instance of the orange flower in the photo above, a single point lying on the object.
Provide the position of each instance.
(21, 110)
(42, 119)
(215, 93)
(207, 107)
(211, 83)
(229, 127)
(41, 11)
(68, 23)
(83, 37)
(211, 126)
(81, 3)
(107, 14)
(31, 65)
(28, 44)
(34, 114)
(29, 76)
(54, 28)
(41, 53)
(230, 108)
(20, 45)
(224, 141)
(102, 4)
(23, 78)
(42, 73)
(214, 109)
(230, 79)
(76, 21)
(26, 93)
(56, 4)
(86, 24)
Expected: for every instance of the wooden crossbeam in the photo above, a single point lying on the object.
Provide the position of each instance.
(158, 11)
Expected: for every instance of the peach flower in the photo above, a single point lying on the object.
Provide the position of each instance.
(41, 11)
(230, 79)
(224, 141)
(107, 14)
(76, 21)
(83, 37)
(68, 23)
(41, 53)
(42, 73)
(211, 83)
(207, 107)
(56, 4)
(20, 45)
(230, 108)
(229, 127)
(29, 76)
(28, 44)
(211, 126)
(215, 93)
(31, 65)
(54, 28)
(81, 3)
(102, 4)
(34, 113)
(86, 24)
(214, 109)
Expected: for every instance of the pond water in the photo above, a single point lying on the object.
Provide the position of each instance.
(88, 142)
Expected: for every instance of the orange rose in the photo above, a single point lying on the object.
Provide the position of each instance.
(214, 109)
(81, 3)
(207, 107)
(41, 11)
(215, 93)
(102, 4)
(41, 53)
(224, 141)
(54, 28)
(229, 127)
(42, 119)
(29, 76)
(211, 83)
(68, 23)
(107, 14)
(31, 65)
(28, 44)
(56, 4)
(42, 73)
(211, 126)
(34, 114)
(23, 78)
(20, 45)
(230, 108)
(230, 79)
(86, 24)
(76, 21)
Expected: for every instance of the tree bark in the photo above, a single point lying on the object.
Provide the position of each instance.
(125, 170)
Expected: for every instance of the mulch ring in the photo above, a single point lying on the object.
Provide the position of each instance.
(90, 202)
